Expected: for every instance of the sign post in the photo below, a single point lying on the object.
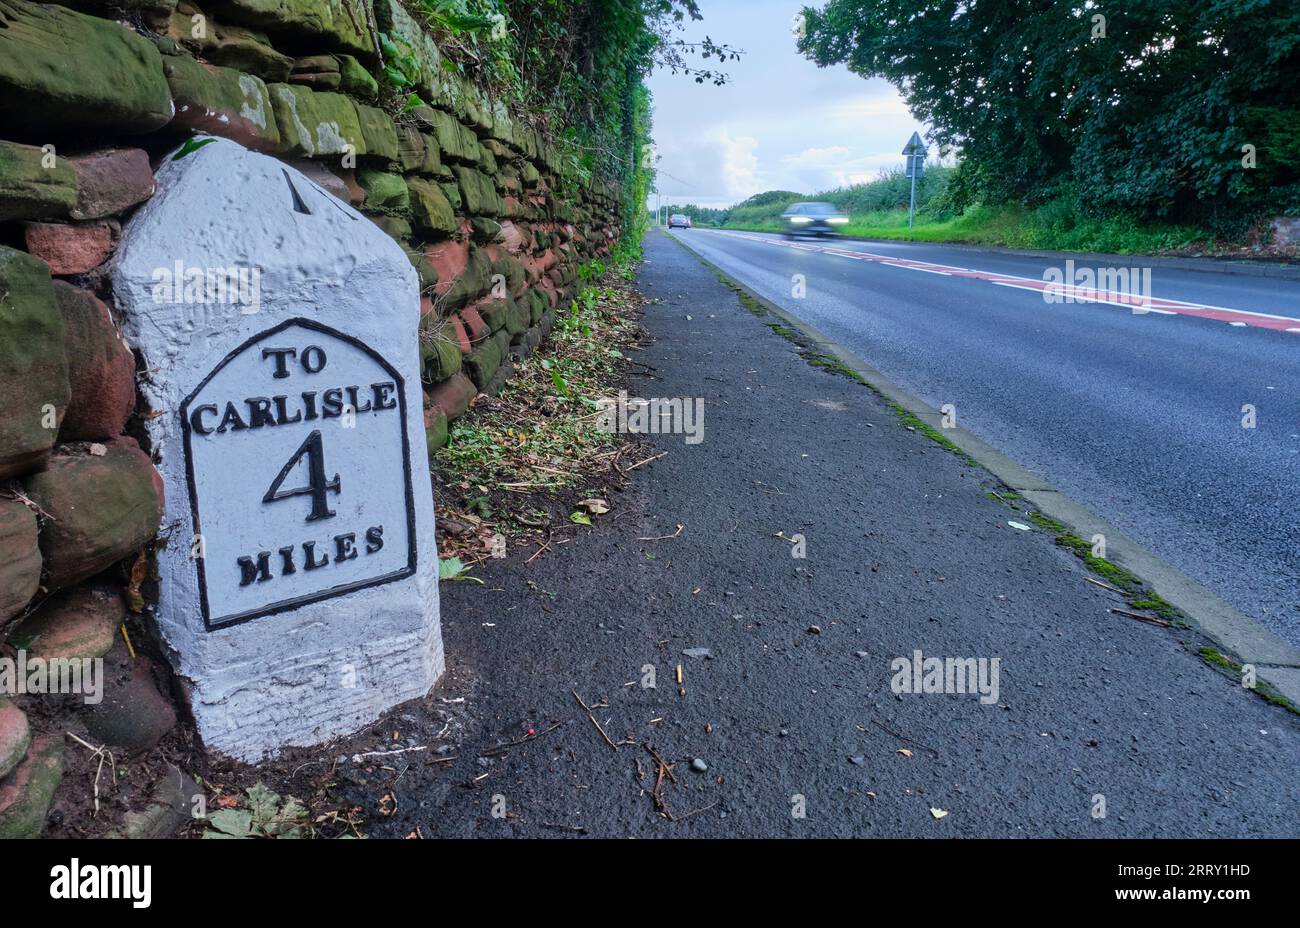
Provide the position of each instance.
(915, 152)
(298, 575)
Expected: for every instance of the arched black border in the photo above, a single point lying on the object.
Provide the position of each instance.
(283, 605)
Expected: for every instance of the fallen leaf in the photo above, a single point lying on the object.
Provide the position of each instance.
(581, 518)
(904, 751)
(594, 506)
(938, 813)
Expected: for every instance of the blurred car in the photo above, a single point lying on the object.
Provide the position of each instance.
(812, 219)
(679, 221)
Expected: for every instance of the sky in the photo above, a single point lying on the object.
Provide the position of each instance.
(781, 123)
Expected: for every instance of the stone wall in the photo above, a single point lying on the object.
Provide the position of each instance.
(94, 94)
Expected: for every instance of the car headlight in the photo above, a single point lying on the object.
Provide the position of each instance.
(838, 220)
(800, 220)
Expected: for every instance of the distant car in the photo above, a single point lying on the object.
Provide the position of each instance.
(812, 219)
(679, 221)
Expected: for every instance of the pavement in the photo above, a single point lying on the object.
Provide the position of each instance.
(792, 713)
(1137, 417)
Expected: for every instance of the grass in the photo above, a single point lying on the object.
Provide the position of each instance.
(1215, 658)
(1126, 580)
(1049, 228)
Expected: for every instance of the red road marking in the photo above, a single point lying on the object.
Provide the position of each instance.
(1064, 292)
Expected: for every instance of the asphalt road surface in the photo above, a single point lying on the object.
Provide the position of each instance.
(1138, 416)
(1100, 726)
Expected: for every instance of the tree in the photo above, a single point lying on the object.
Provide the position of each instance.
(1143, 109)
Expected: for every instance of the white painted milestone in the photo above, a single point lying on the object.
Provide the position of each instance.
(298, 573)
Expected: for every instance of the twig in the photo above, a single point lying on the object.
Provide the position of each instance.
(502, 748)
(646, 461)
(588, 709)
(31, 504)
(1143, 618)
(663, 770)
(664, 537)
(356, 758)
(576, 829)
(696, 812)
(904, 738)
(1106, 586)
(543, 547)
(102, 753)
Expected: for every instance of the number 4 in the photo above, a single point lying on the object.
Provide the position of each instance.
(316, 487)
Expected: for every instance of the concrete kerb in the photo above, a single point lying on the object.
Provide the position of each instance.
(1277, 662)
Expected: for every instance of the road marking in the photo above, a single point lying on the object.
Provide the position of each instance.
(1063, 292)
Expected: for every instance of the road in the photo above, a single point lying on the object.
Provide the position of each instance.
(793, 710)
(1138, 416)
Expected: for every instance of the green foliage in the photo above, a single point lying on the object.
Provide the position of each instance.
(453, 568)
(264, 815)
(1148, 120)
(402, 69)
(191, 145)
(576, 68)
(1055, 225)
(700, 215)
(457, 16)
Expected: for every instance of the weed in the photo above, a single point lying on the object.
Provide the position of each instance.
(1215, 658)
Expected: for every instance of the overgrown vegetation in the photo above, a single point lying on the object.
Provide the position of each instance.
(518, 464)
(1178, 113)
(1216, 658)
(260, 813)
(878, 209)
(573, 68)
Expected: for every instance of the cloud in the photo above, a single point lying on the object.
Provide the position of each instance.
(781, 123)
(835, 166)
(739, 164)
(859, 110)
(716, 168)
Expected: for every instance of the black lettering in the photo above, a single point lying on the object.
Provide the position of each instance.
(281, 367)
(332, 403)
(259, 412)
(248, 571)
(298, 205)
(313, 359)
(309, 403)
(384, 395)
(196, 419)
(282, 412)
(374, 538)
(231, 419)
(343, 547)
(309, 548)
(317, 486)
(286, 561)
(352, 399)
